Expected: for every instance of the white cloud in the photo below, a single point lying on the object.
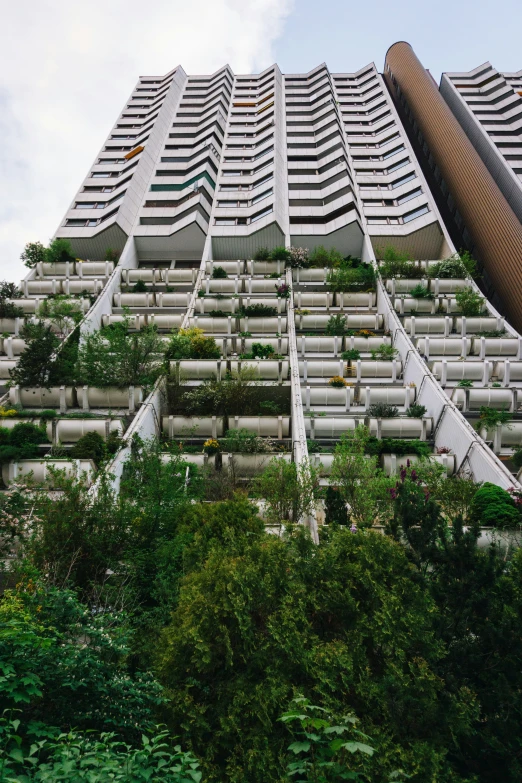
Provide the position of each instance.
(66, 70)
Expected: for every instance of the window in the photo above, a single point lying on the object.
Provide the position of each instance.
(261, 215)
(225, 222)
(403, 180)
(409, 196)
(90, 205)
(95, 174)
(417, 213)
(231, 173)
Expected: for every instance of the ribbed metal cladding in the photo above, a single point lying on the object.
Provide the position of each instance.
(492, 224)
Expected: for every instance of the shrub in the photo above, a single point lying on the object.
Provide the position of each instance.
(63, 312)
(348, 278)
(262, 254)
(384, 352)
(321, 257)
(469, 302)
(517, 459)
(260, 351)
(288, 491)
(420, 292)
(336, 325)
(112, 255)
(257, 310)
(448, 268)
(218, 273)
(269, 408)
(234, 394)
(352, 355)
(191, 344)
(211, 446)
(244, 441)
(9, 290)
(280, 254)
(490, 417)
(397, 446)
(298, 257)
(492, 506)
(89, 446)
(34, 366)
(396, 264)
(283, 290)
(335, 511)
(21, 442)
(380, 410)
(139, 287)
(337, 382)
(416, 411)
(465, 384)
(115, 356)
(60, 249)
(10, 310)
(32, 254)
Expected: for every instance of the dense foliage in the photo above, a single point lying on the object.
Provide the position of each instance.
(369, 656)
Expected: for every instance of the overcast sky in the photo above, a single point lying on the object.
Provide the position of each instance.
(66, 69)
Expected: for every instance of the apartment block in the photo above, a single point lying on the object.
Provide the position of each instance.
(488, 105)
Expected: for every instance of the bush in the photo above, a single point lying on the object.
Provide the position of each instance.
(469, 302)
(380, 410)
(397, 264)
(449, 268)
(337, 382)
(397, 446)
(420, 292)
(115, 356)
(352, 355)
(257, 310)
(260, 351)
(34, 365)
(492, 506)
(298, 257)
(89, 446)
(490, 417)
(112, 255)
(335, 511)
(218, 273)
(416, 411)
(283, 290)
(59, 250)
(191, 344)
(336, 325)
(9, 290)
(348, 278)
(321, 257)
(280, 254)
(63, 312)
(21, 442)
(244, 441)
(10, 310)
(139, 287)
(262, 254)
(32, 254)
(384, 353)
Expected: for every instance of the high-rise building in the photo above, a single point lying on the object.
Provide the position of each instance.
(200, 189)
(240, 161)
(488, 105)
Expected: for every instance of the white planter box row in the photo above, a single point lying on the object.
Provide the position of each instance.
(445, 325)
(167, 276)
(5, 366)
(507, 435)
(271, 325)
(88, 397)
(434, 285)
(334, 427)
(361, 368)
(410, 305)
(474, 399)
(70, 430)
(203, 305)
(336, 345)
(212, 426)
(197, 369)
(164, 323)
(31, 306)
(481, 347)
(68, 286)
(41, 471)
(390, 463)
(12, 346)
(243, 465)
(505, 371)
(401, 396)
(75, 268)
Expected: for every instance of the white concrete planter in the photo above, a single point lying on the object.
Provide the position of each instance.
(173, 300)
(200, 460)
(45, 287)
(272, 426)
(264, 286)
(479, 324)
(437, 324)
(223, 286)
(444, 346)
(71, 430)
(271, 325)
(473, 399)
(78, 286)
(457, 371)
(356, 299)
(109, 397)
(56, 269)
(270, 370)
(497, 346)
(508, 371)
(208, 304)
(39, 397)
(262, 267)
(313, 299)
(279, 344)
(11, 325)
(134, 300)
(203, 426)
(5, 366)
(164, 322)
(95, 268)
(327, 395)
(353, 321)
(41, 470)
(230, 267)
(392, 463)
(131, 276)
(197, 369)
(248, 465)
(12, 346)
(400, 285)
(410, 305)
(402, 396)
(315, 275)
(173, 276)
(214, 325)
(506, 540)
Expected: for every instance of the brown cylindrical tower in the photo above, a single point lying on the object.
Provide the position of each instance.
(492, 224)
